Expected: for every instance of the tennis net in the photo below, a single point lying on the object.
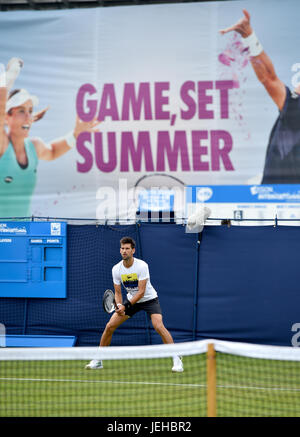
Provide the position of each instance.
(220, 378)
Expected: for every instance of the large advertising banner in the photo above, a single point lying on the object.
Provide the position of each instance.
(117, 100)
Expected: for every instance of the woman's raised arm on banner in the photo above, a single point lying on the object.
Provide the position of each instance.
(260, 61)
(60, 146)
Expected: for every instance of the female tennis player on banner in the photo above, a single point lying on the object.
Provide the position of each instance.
(19, 154)
(133, 273)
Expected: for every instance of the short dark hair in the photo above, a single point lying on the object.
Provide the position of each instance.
(127, 240)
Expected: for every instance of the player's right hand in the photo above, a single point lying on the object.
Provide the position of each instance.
(120, 310)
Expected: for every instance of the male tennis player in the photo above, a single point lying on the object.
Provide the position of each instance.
(282, 163)
(133, 273)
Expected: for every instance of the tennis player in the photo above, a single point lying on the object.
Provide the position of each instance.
(282, 162)
(133, 273)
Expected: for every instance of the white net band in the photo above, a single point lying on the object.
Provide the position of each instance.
(153, 351)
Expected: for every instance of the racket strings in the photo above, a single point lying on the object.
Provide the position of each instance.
(108, 301)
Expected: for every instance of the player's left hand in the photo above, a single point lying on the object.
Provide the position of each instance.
(120, 310)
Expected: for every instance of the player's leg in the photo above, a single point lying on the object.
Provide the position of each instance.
(115, 321)
(158, 325)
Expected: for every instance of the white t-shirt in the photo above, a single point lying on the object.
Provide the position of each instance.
(130, 277)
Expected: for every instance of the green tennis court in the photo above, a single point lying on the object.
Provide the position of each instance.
(148, 388)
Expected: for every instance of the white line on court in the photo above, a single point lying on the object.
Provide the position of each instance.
(151, 383)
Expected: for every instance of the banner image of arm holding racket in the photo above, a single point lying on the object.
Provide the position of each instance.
(282, 162)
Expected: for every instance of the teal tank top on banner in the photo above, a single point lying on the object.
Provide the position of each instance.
(16, 183)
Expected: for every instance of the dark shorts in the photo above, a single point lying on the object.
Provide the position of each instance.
(150, 306)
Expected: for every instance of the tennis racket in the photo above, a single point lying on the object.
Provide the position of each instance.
(159, 180)
(108, 301)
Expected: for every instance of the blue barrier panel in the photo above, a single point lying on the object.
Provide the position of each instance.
(33, 259)
(40, 341)
(171, 255)
(249, 283)
(92, 251)
(240, 283)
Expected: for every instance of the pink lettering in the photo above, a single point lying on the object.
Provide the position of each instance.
(224, 86)
(164, 147)
(161, 100)
(218, 153)
(108, 104)
(135, 103)
(91, 105)
(188, 100)
(106, 167)
(199, 150)
(143, 148)
(204, 100)
(84, 152)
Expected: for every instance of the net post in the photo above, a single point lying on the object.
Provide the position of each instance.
(211, 369)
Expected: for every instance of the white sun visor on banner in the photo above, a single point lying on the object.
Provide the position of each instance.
(19, 98)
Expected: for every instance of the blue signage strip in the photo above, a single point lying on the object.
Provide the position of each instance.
(156, 200)
(243, 193)
(33, 259)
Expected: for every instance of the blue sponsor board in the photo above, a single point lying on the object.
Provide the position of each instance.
(156, 200)
(33, 259)
(243, 194)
